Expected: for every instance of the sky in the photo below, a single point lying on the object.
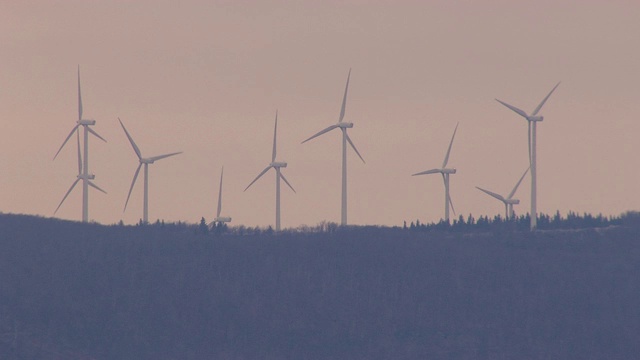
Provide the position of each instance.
(206, 78)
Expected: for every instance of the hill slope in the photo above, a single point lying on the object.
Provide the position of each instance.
(70, 290)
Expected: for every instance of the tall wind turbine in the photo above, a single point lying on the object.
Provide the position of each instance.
(145, 162)
(81, 176)
(276, 165)
(445, 177)
(345, 138)
(85, 123)
(221, 219)
(509, 201)
(532, 120)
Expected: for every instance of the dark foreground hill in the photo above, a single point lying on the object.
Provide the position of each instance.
(86, 291)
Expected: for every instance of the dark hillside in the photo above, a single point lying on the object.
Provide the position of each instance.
(81, 291)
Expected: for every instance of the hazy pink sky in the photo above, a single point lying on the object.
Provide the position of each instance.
(205, 77)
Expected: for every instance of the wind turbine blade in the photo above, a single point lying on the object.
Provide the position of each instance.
(96, 187)
(287, 182)
(446, 158)
(220, 194)
(258, 177)
(133, 143)
(79, 154)
(535, 112)
(321, 132)
(515, 188)
(344, 99)
(65, 140)
(155, 158)
(135, 176)
(79, 97)
(67, 194)
(432, 171)
(518, 111)
(452, 208)
(275, 130)
(353, 146)
(95, 133)
(490, 193)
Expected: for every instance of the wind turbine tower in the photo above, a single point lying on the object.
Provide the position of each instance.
(532, 121)
(84, 176)
(276, 165)
(145, 162)
(345, 138)
(445, 171)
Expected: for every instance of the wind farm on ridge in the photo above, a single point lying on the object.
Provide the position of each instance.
(84, 175)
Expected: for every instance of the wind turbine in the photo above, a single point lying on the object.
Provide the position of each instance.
(218, 218)
(85, 176)
(145, 162)
(532, 120)
(81, 176)
(345, 138)
(445, 177)
(509, 201)
(276, 165)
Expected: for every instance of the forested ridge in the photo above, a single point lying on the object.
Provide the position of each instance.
(473, 290)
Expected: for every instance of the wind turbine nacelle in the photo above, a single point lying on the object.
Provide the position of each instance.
(345, 125)
(222, 219)
(88, 176)
(512, 201)
(535, 118)
(279, 164)
(448, 171)
(86, 122)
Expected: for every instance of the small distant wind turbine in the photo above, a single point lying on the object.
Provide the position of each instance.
(445, 177)
(345, 138)
(509, 201)
(532, 120)
(81, 176)
(145, 162)
(85, 176)
(276, 165)
(218, 218)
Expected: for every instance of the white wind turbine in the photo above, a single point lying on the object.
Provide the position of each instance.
(345, 138)
(276, 165)
(81, 176)
(84, 168)
(509, 201)
(445, 177)
(221, 219)
(532, 120)
(145, 162)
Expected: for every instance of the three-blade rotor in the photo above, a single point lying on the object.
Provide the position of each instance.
(141, 160)
(530, 118)
(80, 121)
(511, 194)
(340, 123)
(444, 171)
(273, 165)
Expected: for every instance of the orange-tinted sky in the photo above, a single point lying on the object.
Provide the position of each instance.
(205, 77)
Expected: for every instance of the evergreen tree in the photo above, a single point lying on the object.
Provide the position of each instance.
(203, 228)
